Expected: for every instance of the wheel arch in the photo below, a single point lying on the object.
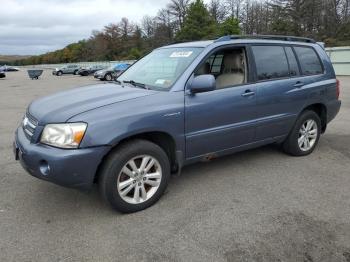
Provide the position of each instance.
(321, 110)
(163, 139)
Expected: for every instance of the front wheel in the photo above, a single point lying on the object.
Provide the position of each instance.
(305, 135)
(108, 77)
(134, 176)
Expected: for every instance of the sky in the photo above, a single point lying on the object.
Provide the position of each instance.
(31, 27)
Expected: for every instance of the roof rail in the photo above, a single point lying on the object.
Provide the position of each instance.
(266, 37)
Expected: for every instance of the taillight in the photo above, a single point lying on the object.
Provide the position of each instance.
(338, 89)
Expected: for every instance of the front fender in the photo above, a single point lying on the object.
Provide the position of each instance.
(108, 125)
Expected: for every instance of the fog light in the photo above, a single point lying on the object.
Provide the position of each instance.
(44, 168)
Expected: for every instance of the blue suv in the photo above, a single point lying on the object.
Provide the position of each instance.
(180, 104)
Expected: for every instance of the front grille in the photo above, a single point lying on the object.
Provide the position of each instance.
(29, 125)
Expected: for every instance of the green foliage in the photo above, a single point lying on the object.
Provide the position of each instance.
(230, 26)
(198, 24)
(281, 27)
(134, 54)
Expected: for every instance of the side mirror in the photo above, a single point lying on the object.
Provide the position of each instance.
(202, 83)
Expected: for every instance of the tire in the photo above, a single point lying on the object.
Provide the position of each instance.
(59, 73)
(307, 131)
(108, 77)
(112, 174)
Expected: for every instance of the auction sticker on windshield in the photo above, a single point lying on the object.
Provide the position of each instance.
(181, 54)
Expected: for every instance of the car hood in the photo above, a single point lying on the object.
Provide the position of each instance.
(103, 71)
(62, 106)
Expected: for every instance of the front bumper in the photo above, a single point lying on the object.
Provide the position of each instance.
(71, 168)
(99, 76)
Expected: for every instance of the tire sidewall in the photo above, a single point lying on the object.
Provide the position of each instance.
(59, 73)
(108, 184)
(293, 139)
(108, 77)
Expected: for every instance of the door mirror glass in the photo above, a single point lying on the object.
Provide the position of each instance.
(203, 83)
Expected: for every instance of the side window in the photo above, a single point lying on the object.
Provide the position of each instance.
(227, 65)
(212, 65)
(271, 62)
(216, 64)
(292, 61)
(309, 62)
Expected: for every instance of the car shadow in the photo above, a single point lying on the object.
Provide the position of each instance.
(60, 201)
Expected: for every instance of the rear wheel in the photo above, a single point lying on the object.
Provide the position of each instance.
(305, 135)
(134, 176)
(75, 72)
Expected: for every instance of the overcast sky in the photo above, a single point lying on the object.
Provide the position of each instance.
(30, 27)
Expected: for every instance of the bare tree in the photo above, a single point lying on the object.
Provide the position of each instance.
(148, 26)
(217, 10)
(126, 27)
(234, 7)
(178, 8)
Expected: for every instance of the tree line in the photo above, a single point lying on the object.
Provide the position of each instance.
(189, 20)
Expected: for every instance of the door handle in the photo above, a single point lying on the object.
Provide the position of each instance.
(248, 92)
(299, 84)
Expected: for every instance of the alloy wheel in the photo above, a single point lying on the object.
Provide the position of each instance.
(307, 135)
(139, 179)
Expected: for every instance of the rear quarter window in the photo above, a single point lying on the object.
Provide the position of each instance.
(309, 61)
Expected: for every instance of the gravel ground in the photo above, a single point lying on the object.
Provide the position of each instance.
(259, 205)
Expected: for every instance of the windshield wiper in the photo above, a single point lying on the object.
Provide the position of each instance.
(136, 84)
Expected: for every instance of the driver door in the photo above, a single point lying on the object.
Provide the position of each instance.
(225, 118)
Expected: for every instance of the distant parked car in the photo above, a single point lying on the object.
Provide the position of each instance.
(112, 72)
(90, 70)
(6, 68)
(67, 69)
(2, 74)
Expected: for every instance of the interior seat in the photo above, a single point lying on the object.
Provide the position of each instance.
(233, 71)
(204, 69)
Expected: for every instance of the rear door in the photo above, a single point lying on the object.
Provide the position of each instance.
(280, 92)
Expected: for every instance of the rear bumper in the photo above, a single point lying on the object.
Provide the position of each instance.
(333, 109)
(74, 168)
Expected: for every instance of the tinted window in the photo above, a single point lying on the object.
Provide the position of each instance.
(271, 62)
(293, 64)
(308, 59)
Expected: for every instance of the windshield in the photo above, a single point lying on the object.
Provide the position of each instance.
(161, 68)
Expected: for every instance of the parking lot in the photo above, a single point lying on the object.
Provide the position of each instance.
(259, 205)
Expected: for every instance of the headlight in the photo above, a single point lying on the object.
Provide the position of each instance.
(67, 135)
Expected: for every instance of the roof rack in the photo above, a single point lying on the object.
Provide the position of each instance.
(266, 37)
